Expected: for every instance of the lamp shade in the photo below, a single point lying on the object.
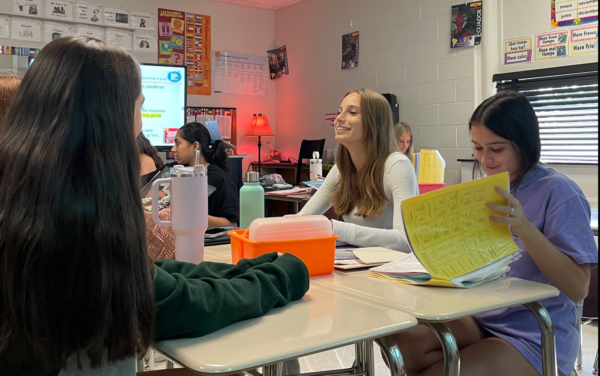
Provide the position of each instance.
(260, 127)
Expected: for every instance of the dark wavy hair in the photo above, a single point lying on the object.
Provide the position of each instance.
(509, 115)
(74, 271)
(214, 153)
(144, 147)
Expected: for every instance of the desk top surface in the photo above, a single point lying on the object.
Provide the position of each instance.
(322, 320)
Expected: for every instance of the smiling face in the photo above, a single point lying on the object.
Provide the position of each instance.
(496, 154)
(404, 142)
(349, 128)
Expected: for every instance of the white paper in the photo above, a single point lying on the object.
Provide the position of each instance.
(28, 30)
(376, 255)
(224, 125)
(59, 9)
(4, 27)
(90, 31)
(202, 119)
(141, 19)
(88, 13)
(144, 42)
(119, 37)
(114, 16)
(190, 119)
(54, 31)
(28, 7)
(239, 73)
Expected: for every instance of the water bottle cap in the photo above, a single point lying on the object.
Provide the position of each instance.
(315, 155)
(252, 177)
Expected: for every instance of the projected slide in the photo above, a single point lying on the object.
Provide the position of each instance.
(163, 112)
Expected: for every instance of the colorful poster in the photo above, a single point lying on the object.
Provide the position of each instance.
(119, 37)
(583, 40)
(27, 30)
(54, 31)
(28, 7)
(59, 9)
(144, 42)
(466, 25)
(88, 13)
(573, 12)
(90, 31)
(552, 45)
(114, 16)
(4, 27)
(19, 51)
(278, 63)
(350, 52)
(518, 50)
(141, 19)
(170, 36)
(198, 62)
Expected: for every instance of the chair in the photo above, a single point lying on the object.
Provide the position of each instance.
(589, 311)
(307, 147)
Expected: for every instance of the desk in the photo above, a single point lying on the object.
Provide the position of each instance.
(433, 306)
(288, 170)
(322, 320)
(291, 199)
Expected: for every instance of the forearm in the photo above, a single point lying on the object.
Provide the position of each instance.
(361, 236)
(562, 271)
(219, 222)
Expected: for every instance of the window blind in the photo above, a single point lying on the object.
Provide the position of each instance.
(566, 103)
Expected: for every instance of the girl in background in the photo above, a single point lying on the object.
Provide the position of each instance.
(405, 139)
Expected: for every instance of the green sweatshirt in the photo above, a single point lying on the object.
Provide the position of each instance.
(194, 300)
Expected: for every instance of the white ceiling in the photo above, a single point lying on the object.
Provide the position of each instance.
(264, 4)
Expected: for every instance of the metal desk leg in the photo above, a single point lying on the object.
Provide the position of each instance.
(365, 358)
(273, 369)
(296, 208)
(549, 366)
(393, 355)
(449, 347)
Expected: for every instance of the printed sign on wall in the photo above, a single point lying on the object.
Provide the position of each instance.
(142, 20)
(144, 42)
(28, 7)
(573, 12)
(120, 37)
(27, 30)
(4, 27)
(88, 13)
(114, 16)
(171, 39)
(198, 62)
(552, 45)
(59, 9)
(466, 25)
(53, 31)
(583, 40)
(518, 50)
(90, 31)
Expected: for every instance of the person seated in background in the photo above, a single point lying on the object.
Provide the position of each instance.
(77, 289)
(371, 177)
(404, 138)
(549, 218)
(9, 82)
(149, 159)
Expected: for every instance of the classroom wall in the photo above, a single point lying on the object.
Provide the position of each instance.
(234, 27)
(404, 49)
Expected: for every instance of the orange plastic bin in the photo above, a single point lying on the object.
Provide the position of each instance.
(425, 188)
(318, 254)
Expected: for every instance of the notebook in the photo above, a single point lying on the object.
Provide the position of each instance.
(453, 241)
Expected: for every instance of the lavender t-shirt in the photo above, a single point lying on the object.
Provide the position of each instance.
(558, 208)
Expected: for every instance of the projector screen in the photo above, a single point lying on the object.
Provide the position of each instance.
(164, 109)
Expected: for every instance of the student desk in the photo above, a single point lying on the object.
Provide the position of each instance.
(296, 200)
(322, 320)
(434, 306)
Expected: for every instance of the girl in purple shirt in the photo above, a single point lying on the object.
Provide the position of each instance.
(550, 219)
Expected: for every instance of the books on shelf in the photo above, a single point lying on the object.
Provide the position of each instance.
(453, 241)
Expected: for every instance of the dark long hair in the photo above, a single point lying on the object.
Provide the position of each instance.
(509, 115)
(74, 272)
(214, 153)
(144, 147)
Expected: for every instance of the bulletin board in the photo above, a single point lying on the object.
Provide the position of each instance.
(225, 116)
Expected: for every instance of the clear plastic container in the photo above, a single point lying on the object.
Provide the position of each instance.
(290, 227)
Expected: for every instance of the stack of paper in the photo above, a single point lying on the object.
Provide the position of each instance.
(353, 257)
(453, 240)
(430, 167)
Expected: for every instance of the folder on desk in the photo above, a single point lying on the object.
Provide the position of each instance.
(453, 241)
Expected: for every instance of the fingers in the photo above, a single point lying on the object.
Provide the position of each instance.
(502, 209)
(512, 201)
(502, 220)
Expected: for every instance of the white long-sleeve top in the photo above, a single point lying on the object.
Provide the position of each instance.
(386, 230)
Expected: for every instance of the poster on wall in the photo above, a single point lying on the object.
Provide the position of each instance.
(114, 16)
(573, 12)
(53, 31)
(466, 25)
(119, 37)
(552, 45)
(171, 39)
(90, 31)
(27, 30)
(198, 61)
(59, 9)
(4, 27)
(88, 13)
(28, 7)
(144, 42)
(350, 52)
(583, 40)
(519, 50)
(141, 19)
(278, 63)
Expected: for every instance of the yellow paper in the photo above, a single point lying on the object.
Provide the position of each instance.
(450, 231)
(431, 282)
(432, 166)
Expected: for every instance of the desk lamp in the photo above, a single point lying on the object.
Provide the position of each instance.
(259, 128)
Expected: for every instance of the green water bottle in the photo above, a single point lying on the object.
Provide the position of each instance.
(252, 200)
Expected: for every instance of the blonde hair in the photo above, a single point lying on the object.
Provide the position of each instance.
(9, 81)
(399, 130)
(365, 190)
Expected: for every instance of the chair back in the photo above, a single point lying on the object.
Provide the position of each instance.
(590, 303)
(307, 147)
